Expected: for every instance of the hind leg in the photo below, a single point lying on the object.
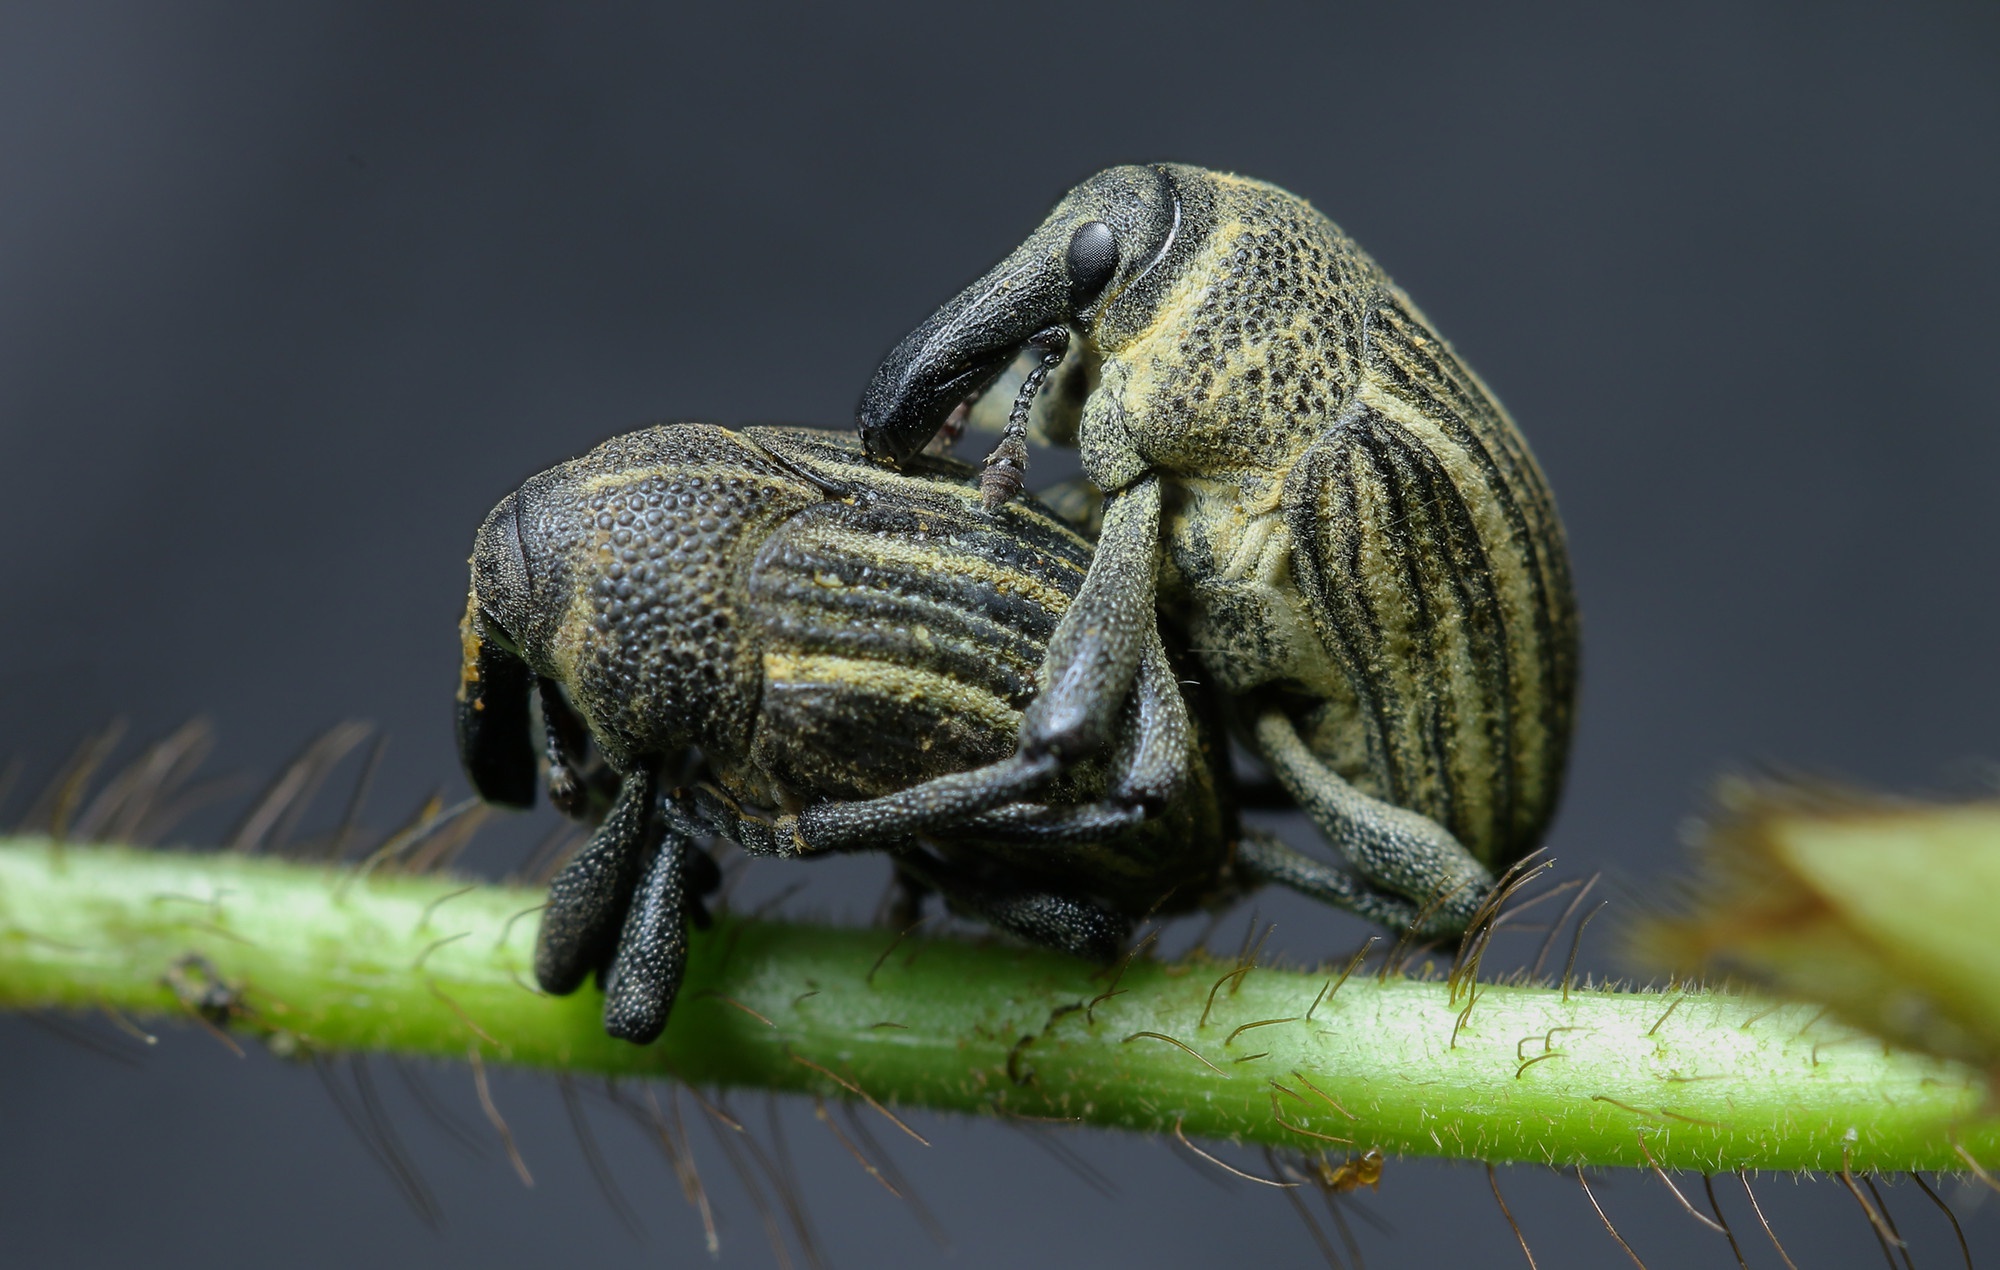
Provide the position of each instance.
(1262, 858)
(1068, 925)
(1392, 848)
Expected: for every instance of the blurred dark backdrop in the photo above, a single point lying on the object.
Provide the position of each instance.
(290, 295)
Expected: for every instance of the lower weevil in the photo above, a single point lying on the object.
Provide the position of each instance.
(834, 641)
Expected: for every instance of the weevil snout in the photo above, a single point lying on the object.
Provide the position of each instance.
(494, 742)
(501, 578)
(952, 358)
(1099, 240)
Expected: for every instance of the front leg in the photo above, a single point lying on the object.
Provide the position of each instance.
(1103, 635)
(1150, 766)
(1264, 859)
(588, 897)
(652, 951)
(1148, 769)
(872, 824)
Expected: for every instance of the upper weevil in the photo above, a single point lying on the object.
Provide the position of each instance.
(1366, 556)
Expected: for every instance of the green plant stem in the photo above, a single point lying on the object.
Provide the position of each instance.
(324, 960)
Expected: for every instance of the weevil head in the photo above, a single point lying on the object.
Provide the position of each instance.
(494, 679)
(615, 580)
(1102, 263)
(520, 637)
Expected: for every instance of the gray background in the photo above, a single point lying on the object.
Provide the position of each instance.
(290, 295)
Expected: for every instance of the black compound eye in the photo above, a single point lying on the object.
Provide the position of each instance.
(1093, 258)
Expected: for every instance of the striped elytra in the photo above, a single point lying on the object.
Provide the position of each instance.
(1300, 395)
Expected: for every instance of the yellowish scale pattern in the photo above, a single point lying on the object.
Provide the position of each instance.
(1283, 378)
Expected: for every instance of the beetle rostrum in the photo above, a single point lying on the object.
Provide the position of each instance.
(1363, 551)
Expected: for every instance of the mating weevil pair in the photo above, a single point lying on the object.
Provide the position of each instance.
(1296, 470)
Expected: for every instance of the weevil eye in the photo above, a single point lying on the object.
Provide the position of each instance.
(1093, 257)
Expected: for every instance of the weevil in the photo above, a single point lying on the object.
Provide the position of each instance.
(830, 638)
(1364, 552)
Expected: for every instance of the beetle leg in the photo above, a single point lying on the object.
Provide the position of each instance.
(1073, 926)
(875, 824)
(1148, 770)
(493, 733)
(1394, 848)
(652, 950)
(702, 810)
(1103, 636)
(1151, 764)
(589, 896)
(1262, 858)
(932, 807)
(1039, 825)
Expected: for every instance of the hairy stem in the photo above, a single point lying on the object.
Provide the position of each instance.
(319, 960)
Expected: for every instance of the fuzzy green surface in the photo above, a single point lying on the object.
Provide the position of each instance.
(328, 961)
(1911, 898)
